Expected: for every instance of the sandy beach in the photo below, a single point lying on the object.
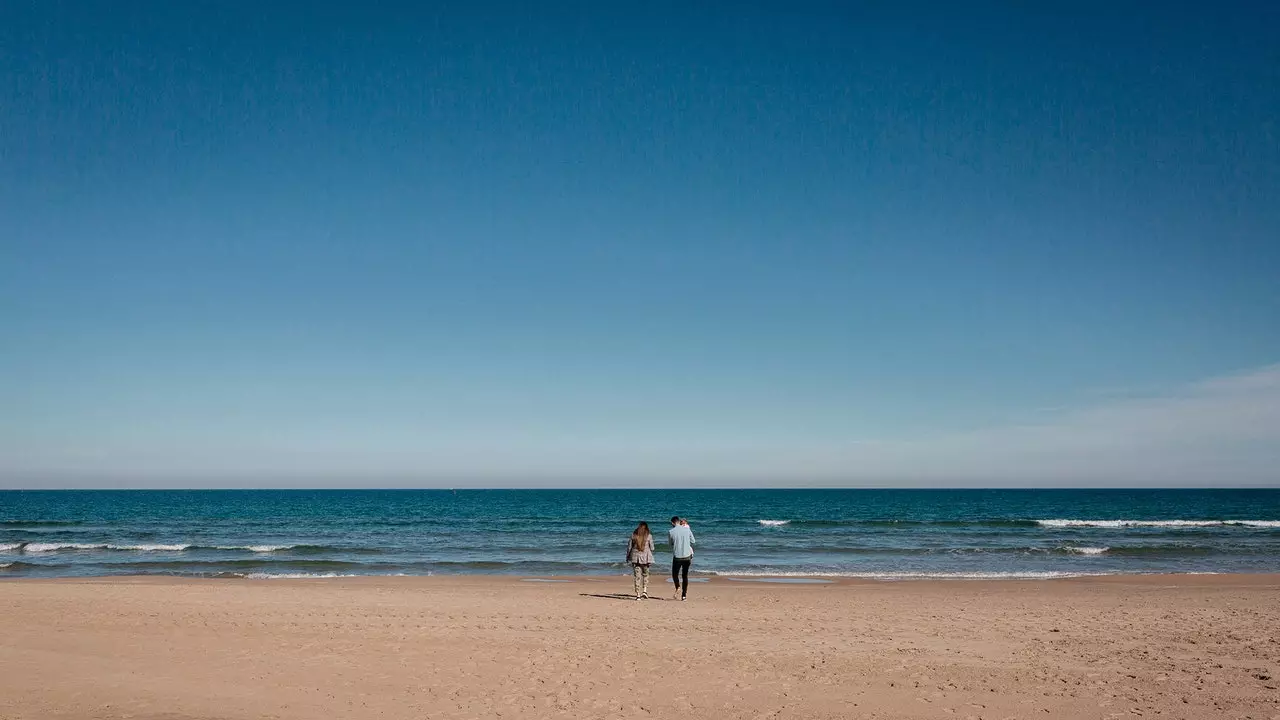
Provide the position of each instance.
(488, 647)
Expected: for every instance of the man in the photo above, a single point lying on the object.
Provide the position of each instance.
(681, 556)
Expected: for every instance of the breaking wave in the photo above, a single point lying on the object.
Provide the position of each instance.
(48, 547)
(37, 523)
(1062, 523)
(906, 574)
(38, 547)
(1085, 550)
(292, 576)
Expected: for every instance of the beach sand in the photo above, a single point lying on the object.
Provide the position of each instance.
(489, 647)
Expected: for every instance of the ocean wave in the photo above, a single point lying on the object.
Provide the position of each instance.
(1063, 523)
(525, 566)
(36, 547)
(256, 548)
(38, 523)
(784, 551)
(44, 534)
(247, 564)
(1085, 550)
(48, 547)
(907, 574)
(1005, 523)
(303, 548)
(879, 522)
(980, 522)
(1186, 550)
(294, 576)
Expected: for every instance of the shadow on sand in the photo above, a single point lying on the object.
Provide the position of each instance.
(618, 596)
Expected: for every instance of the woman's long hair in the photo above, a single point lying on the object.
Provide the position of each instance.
(640, 536)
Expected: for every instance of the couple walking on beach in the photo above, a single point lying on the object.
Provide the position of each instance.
(640, 556)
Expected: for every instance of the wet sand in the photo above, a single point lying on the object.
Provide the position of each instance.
(488, 647)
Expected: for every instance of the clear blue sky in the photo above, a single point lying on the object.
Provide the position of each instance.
(784, 243)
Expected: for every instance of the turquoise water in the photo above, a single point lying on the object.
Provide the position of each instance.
(745, 533)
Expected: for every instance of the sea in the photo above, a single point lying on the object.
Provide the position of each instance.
(883, 534)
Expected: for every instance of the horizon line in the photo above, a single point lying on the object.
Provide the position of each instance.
(1123, 488)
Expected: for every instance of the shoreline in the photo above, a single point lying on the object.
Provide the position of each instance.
(1194, 579)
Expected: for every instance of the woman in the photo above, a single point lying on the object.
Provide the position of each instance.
(640, 555)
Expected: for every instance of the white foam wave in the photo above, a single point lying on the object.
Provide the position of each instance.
(906, 575)
(56, 547)
(1061, 523)
(774, 523)
(295, 576)
(40, 547)
(256, 548)
(1086, 550)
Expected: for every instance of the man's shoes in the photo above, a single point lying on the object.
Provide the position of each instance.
(683, 598)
